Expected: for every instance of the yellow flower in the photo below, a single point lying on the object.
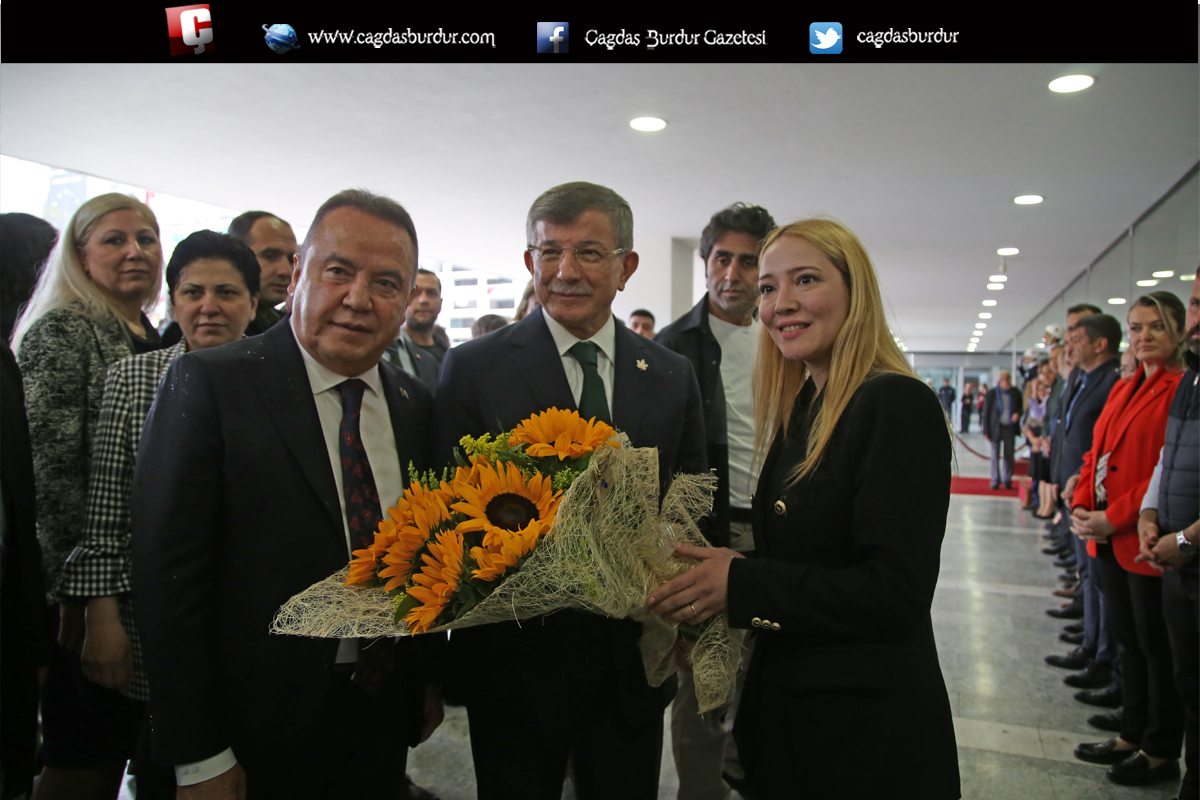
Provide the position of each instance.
(562, 433)
(506, 550)
(437, 580)
(398, 538)
(504, 501)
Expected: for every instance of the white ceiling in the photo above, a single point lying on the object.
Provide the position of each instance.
(922, 161)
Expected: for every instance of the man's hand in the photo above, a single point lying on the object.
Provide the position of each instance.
(1015, 417)
(698, 593)
(435, 711)
(107, 655)
(229, 785)
(71, 626)
(1147, 535)
(1068, 491)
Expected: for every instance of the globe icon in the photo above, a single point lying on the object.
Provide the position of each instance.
(281, 38)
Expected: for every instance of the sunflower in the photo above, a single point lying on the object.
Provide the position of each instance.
(437, 580)
(505, 501)
(412, 519)
(562, 433)
(506, 550)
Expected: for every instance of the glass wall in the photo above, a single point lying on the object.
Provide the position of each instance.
(1160, 251)
(55, 194)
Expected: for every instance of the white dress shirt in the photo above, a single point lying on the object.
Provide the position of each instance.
(375, 427)
(605, 340)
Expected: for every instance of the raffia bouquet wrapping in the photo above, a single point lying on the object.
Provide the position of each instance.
(557, 513)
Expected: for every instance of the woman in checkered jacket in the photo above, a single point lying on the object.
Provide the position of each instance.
(214, 282)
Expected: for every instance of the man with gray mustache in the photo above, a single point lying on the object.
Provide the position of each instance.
(569, 684)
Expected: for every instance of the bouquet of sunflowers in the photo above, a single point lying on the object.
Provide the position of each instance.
(559, 512)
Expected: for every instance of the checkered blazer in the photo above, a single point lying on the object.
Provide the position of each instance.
(102, 563)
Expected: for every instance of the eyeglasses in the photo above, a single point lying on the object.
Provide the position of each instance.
(550, 255)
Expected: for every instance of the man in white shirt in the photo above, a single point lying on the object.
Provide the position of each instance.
(569, 684)
(263, 464)
(719, 336)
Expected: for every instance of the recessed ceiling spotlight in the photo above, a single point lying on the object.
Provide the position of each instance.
(1116, 301)
(997, 278)
(984, 315)
(1071, 83)
(1166, 273)
(1147, 283)
(989, 303)
(1007, 251)
(648, 124)
(995, 287)
(981, 325)
(1028, 199)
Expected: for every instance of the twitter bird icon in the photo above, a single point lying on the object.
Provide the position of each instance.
(825, 38)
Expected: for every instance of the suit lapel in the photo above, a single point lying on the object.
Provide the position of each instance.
(760, 503)
(402, 412)
(539, 365)
(1146, 394)
(282, 383)
(631, 383)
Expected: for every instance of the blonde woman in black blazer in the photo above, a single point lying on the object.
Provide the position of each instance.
(844, 697)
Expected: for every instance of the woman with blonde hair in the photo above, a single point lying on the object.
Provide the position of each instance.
(86, 313)
(844, 695)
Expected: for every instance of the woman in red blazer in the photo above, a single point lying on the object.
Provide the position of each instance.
(1107, 501)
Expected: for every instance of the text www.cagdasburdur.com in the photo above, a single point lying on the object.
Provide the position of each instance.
(378, 39)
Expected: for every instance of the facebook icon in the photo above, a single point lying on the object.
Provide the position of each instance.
(553, 37)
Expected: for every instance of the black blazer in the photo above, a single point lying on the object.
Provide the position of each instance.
(492, 383)
(235, 509)
(838, 597)
(1085, 409)
(990, 416)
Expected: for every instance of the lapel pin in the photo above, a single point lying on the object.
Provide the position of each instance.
(403, 392)
(641, 364)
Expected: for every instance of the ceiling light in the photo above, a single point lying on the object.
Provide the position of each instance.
(1186, 277)
(997, 278)
(984, 315)
(995, 286)
(974, 340)
(1116, 301)
(1071, 83)
(1147, 283)
(980, 325)
(1007, 251)
(1166, 273)
(1028, 199)
(989, 303)
(649, 124)
(1041, 344)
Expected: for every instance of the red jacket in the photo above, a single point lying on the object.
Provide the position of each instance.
(1131, 428)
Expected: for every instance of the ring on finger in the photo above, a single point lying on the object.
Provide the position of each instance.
(693, 608)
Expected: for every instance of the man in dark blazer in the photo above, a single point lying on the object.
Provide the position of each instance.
(569, 683)
(25, 642)
(1000, 420)
(1095, 339)
(262, 464)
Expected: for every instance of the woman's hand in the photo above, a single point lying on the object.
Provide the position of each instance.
(698, 593)
(1091, 526)
(107, 655)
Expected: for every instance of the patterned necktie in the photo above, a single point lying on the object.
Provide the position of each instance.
(593, 402)
(363, 514)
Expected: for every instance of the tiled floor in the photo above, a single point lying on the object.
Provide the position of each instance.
(1016, 722)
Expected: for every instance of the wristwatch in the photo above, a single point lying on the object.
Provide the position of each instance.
(1185, 547)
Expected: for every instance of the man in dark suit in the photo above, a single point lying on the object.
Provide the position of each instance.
(262, 464)
(570, 683)
(1095, 339)
(1000, 419)
(26, 641)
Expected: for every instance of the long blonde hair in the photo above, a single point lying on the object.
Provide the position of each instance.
(864, 346)
(64, 282)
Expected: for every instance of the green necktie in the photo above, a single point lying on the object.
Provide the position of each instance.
(592, 401)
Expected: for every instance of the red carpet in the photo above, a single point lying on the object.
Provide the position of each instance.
(979, 486)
